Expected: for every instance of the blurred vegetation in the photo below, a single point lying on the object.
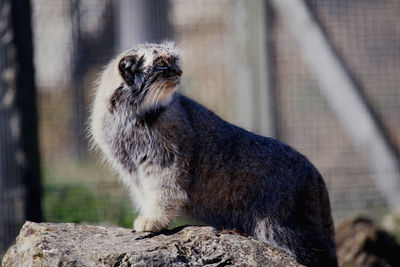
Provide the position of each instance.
(85, 192)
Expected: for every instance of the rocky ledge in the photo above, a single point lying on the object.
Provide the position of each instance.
(67, 244)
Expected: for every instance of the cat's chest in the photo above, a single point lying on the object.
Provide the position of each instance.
(137, 148)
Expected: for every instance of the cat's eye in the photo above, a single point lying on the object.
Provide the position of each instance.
(162, 65)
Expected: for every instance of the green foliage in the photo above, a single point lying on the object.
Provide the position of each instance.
(182, 221)
(83, 192)
(76, 203)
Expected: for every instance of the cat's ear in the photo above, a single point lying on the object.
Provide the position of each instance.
(129, 67)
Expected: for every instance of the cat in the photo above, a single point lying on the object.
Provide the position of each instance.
(177, 157)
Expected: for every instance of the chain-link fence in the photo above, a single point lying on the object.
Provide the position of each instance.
(365, 35)
(241, 60)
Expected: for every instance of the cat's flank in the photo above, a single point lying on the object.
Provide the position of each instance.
(177, 157)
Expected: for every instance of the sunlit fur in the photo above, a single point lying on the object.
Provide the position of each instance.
(146, 97)
(175, 156)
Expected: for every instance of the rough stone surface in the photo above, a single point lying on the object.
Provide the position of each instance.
(67, 244)
(361, 242)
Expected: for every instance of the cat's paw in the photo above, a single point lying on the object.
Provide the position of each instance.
(145, 224)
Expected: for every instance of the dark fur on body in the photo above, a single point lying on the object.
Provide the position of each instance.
(219, 173)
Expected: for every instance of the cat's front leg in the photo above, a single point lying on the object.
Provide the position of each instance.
(161, 203)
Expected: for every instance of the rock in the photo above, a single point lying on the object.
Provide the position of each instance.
(67, 244)
(361, 242)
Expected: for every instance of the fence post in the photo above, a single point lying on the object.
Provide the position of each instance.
(78, 71)
(19, 157)
(27, 107)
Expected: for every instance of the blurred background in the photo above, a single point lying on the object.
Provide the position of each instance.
(323, 76)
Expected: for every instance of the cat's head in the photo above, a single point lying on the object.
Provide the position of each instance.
(147, 76)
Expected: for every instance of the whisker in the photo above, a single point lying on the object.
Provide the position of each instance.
(161, 91)
(159, 95)
(143, 95)
(155, 93)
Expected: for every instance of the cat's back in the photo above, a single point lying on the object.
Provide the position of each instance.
(241, 148)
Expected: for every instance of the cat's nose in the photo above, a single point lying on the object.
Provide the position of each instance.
(176, 70)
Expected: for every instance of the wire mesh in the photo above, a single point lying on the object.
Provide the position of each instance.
(365, 35)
